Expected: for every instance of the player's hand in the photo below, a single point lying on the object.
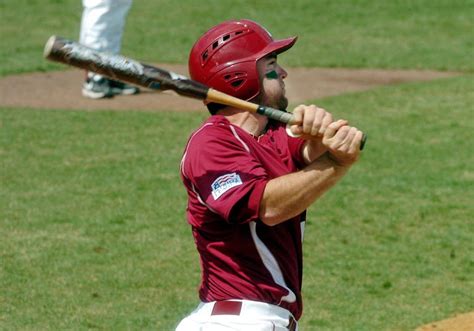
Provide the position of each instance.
(342, 142)
(310, 122)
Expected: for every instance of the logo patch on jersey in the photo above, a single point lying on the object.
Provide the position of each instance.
(224, 183)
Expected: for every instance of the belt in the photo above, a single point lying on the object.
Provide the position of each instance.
(235, 308)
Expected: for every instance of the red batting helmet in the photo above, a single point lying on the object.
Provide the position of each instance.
(225, 57)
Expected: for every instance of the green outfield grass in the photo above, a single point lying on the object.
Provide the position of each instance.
(94, 233)
(92, 209)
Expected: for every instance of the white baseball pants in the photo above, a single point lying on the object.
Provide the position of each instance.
(102, 24)
(238, 315)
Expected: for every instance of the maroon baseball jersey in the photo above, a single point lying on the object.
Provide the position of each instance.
(225, 170)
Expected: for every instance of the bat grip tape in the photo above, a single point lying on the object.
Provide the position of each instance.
(275, 114)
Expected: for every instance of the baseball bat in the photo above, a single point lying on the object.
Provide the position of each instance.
(121, 68)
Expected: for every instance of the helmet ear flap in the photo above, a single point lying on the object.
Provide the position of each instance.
(235, 79)
(239, 80)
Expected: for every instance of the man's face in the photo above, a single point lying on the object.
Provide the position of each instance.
(272, 85)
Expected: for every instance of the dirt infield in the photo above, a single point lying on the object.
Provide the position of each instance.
(62, 89)
(462, 322)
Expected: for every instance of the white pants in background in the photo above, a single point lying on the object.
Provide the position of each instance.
(239, 315)
(102, 24)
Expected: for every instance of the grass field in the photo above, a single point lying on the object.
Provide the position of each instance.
(92, 208)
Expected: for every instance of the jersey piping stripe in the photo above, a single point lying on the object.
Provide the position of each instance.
(271, 263)
(302, 224)
(239, 139)
(186, 150)
(201, 201)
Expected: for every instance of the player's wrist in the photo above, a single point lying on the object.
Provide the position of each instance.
(342, 161)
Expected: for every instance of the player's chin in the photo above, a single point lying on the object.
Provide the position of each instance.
(278, 101)
(282, 103)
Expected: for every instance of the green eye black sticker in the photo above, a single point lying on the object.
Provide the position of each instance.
(271, 74)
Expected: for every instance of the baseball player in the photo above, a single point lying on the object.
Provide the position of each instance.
(249, 181)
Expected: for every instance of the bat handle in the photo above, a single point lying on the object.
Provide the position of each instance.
(363, 141)
(285, 117)
(275, 114)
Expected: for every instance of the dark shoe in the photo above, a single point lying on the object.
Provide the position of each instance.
(96, 87)
(119, 88)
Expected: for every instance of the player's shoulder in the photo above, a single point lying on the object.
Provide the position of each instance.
(211, 141)
(215, 127)
(276, 131)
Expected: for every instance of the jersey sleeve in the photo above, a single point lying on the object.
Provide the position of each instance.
(225, 175)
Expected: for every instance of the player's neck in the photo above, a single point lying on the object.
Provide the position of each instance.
(252, 123)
